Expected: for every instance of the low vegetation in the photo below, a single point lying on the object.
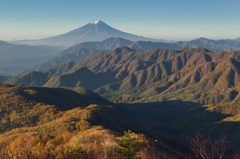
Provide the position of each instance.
(71, 136)
(34, 126)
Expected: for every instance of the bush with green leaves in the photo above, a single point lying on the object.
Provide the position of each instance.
(131, 143)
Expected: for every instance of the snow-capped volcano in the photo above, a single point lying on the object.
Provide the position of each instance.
(95, 21)
(95, 30)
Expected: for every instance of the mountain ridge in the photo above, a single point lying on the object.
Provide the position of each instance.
(155, 74)
(84, 50)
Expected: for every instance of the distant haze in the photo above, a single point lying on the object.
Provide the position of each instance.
(95, 30)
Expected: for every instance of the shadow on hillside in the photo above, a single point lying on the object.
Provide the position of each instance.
(171, 121)
(64, 99)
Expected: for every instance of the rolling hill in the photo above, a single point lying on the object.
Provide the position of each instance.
(30, 105)
(39, 122)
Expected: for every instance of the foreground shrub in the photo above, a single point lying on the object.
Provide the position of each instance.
(95, 143)
(130, 144)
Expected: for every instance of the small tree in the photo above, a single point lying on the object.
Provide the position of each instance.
(129, 144)
(205, 148)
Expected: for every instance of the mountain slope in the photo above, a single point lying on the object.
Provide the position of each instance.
(81, 77)
(93, 31)
(153, 75)
(33, 78)
(82, 51)
(29, 105)
(130, 75)
(5, 45)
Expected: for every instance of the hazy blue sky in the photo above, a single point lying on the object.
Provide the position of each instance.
(165, 19)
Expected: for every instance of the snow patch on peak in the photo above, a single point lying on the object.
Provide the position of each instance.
(95, 21)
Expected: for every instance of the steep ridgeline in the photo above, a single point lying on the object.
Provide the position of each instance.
(153, 75)
(84, 50)
(126, 74)
(87, 49)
